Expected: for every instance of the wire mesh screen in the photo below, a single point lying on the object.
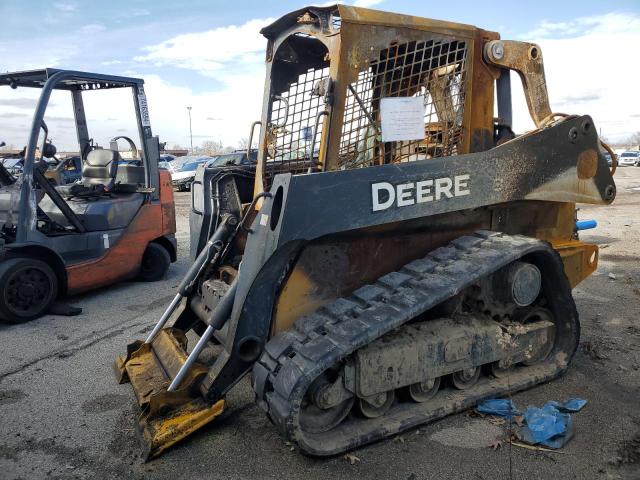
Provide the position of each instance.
(296, 118)
(433, 70)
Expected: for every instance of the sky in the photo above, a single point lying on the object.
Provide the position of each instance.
(208, 54)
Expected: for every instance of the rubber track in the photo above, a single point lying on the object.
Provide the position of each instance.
(294, 358)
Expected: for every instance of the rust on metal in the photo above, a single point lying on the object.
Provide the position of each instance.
(167, 417)
(580, 259)
(526, 59)
(587, 164)
(151, 367)
(324, 112)
(183, 416)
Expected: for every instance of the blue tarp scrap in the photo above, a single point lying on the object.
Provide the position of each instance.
(570, 406)
(550, 425)
(546, 426)
(500, 407)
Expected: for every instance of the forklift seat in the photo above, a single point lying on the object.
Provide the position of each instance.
(100, 167)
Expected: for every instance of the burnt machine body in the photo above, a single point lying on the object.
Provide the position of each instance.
(363, 268)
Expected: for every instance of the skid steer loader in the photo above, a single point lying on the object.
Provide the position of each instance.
(396, 255)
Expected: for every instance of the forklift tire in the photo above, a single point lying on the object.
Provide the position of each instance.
(155, 263)
(27, 288)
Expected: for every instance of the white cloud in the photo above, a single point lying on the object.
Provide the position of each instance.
(357, 3)
(208, 52)
(65, 6)
(93, 28)
(223, 115)
(583, 26)
(138, 12)
(366, 3)
(590, 68)
(234, 56)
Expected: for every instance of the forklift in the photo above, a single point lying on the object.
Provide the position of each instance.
(117, 222)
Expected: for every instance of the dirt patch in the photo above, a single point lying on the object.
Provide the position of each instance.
(629, 452)
(125, 443)
(148, 306)
(105, 403)
(9, 453)
(619, 258)
(8, 397)
(476, 434)
(146, 329)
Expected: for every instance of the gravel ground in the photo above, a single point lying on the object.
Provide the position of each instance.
(64, 416)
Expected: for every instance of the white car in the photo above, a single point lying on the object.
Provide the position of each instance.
(629, 159)
(183, 175)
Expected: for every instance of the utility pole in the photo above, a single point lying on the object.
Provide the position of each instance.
(190, 131)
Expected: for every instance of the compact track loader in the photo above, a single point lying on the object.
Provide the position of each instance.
(397, 255)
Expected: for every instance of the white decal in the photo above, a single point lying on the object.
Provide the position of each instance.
(461, 185)
(405, 195)
(423, 191)
(384, 194)
(443, 187)
(264, 219)
(105, 240)
(402, 118)
(376, 188)
(144, 109)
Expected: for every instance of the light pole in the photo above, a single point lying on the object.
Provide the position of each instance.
(190, 131)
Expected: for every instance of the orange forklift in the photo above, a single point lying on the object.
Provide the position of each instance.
(116, 222)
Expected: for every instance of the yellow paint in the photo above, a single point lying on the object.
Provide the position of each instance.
(296, 299)
(580, 260)
(160, 433)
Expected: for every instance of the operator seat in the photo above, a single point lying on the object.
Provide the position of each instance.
(98, 176)
(100, 168)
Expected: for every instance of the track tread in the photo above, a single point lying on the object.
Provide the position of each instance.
(338, 329)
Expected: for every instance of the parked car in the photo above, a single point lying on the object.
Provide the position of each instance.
(68, 170)
(182, 175)
(13, 165)
(627, 159)
(235, 158)
(166, 162)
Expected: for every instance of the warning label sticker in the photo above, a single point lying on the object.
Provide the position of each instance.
(402, 118)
